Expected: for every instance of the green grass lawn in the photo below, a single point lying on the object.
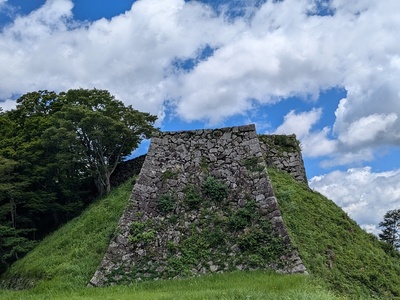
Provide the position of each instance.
(236, 285)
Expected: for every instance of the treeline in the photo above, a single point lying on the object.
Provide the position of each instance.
(57, 153)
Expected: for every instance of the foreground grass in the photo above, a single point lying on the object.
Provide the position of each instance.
(333, 247)
(237, 285)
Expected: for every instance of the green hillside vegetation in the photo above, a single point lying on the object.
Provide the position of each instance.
(62, 264)
(343, 260)
(333, 247)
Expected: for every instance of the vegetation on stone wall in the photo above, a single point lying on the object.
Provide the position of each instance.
(281, 142)
(63, 263)
(217, 238)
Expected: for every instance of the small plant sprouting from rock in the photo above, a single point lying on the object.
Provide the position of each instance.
(166, 203)
(139, 234)
(204, 164)
(192, 196)
(252, 165)
(169, 174)
(214, 189)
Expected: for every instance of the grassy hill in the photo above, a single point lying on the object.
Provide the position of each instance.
(333, 247)
(344, 261)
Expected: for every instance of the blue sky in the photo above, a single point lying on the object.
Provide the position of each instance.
(326, 70)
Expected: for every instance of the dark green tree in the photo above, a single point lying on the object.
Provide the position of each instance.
(13, 242)
(101, 131)
(49, 196)
(391, 228)
(56, 150)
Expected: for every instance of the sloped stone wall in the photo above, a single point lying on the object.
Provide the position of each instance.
(284, 153)
(202, 203)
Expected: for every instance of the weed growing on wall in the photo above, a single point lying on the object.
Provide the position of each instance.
(218, 237)
(169, 174)
(139, 232)
(166, 203)
(214, 189)
(253, 165)
(193, 197)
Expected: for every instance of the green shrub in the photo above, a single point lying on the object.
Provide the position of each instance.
(192, 196)
(166, 203)
(214, 189)
(242, 217)
(139, 233)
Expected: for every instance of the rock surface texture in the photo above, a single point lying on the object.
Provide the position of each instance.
(202, 203)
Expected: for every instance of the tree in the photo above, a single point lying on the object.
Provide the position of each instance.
(50, 195)
(391, 228)
(101, 131)
(13, 241)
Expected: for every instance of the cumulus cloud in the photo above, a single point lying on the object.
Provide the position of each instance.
(314, 142)
(263, 54)
(130, 54)
(366, 196)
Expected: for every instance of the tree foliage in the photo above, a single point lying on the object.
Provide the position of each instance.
(391, 228)
(103, 130)
(56, 151)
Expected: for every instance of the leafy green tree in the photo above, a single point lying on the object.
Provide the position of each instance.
(13, 241)
(391, 228)
(56, 152)
(50, 195)
(101, 131)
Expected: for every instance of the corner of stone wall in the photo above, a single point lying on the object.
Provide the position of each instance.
(283, 152)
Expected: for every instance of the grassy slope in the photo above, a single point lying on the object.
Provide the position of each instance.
(333, 247)
(71, 255)
(63, 263)
(338, 254)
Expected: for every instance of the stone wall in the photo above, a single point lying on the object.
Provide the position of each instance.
(202, 203)
(126, 170)
(284, 153)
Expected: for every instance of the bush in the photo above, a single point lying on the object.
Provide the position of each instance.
(166, 203)
(214, 189)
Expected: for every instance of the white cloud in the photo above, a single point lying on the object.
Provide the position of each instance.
(366, 196)
(279, 50)
(367, 129)
(299, 124)
(314, 142)
(340, 158)
(8, 104)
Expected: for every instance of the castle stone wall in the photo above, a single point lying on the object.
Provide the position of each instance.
(284, 153)
(202, 203)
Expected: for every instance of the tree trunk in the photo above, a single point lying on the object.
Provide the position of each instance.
(107, 182)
